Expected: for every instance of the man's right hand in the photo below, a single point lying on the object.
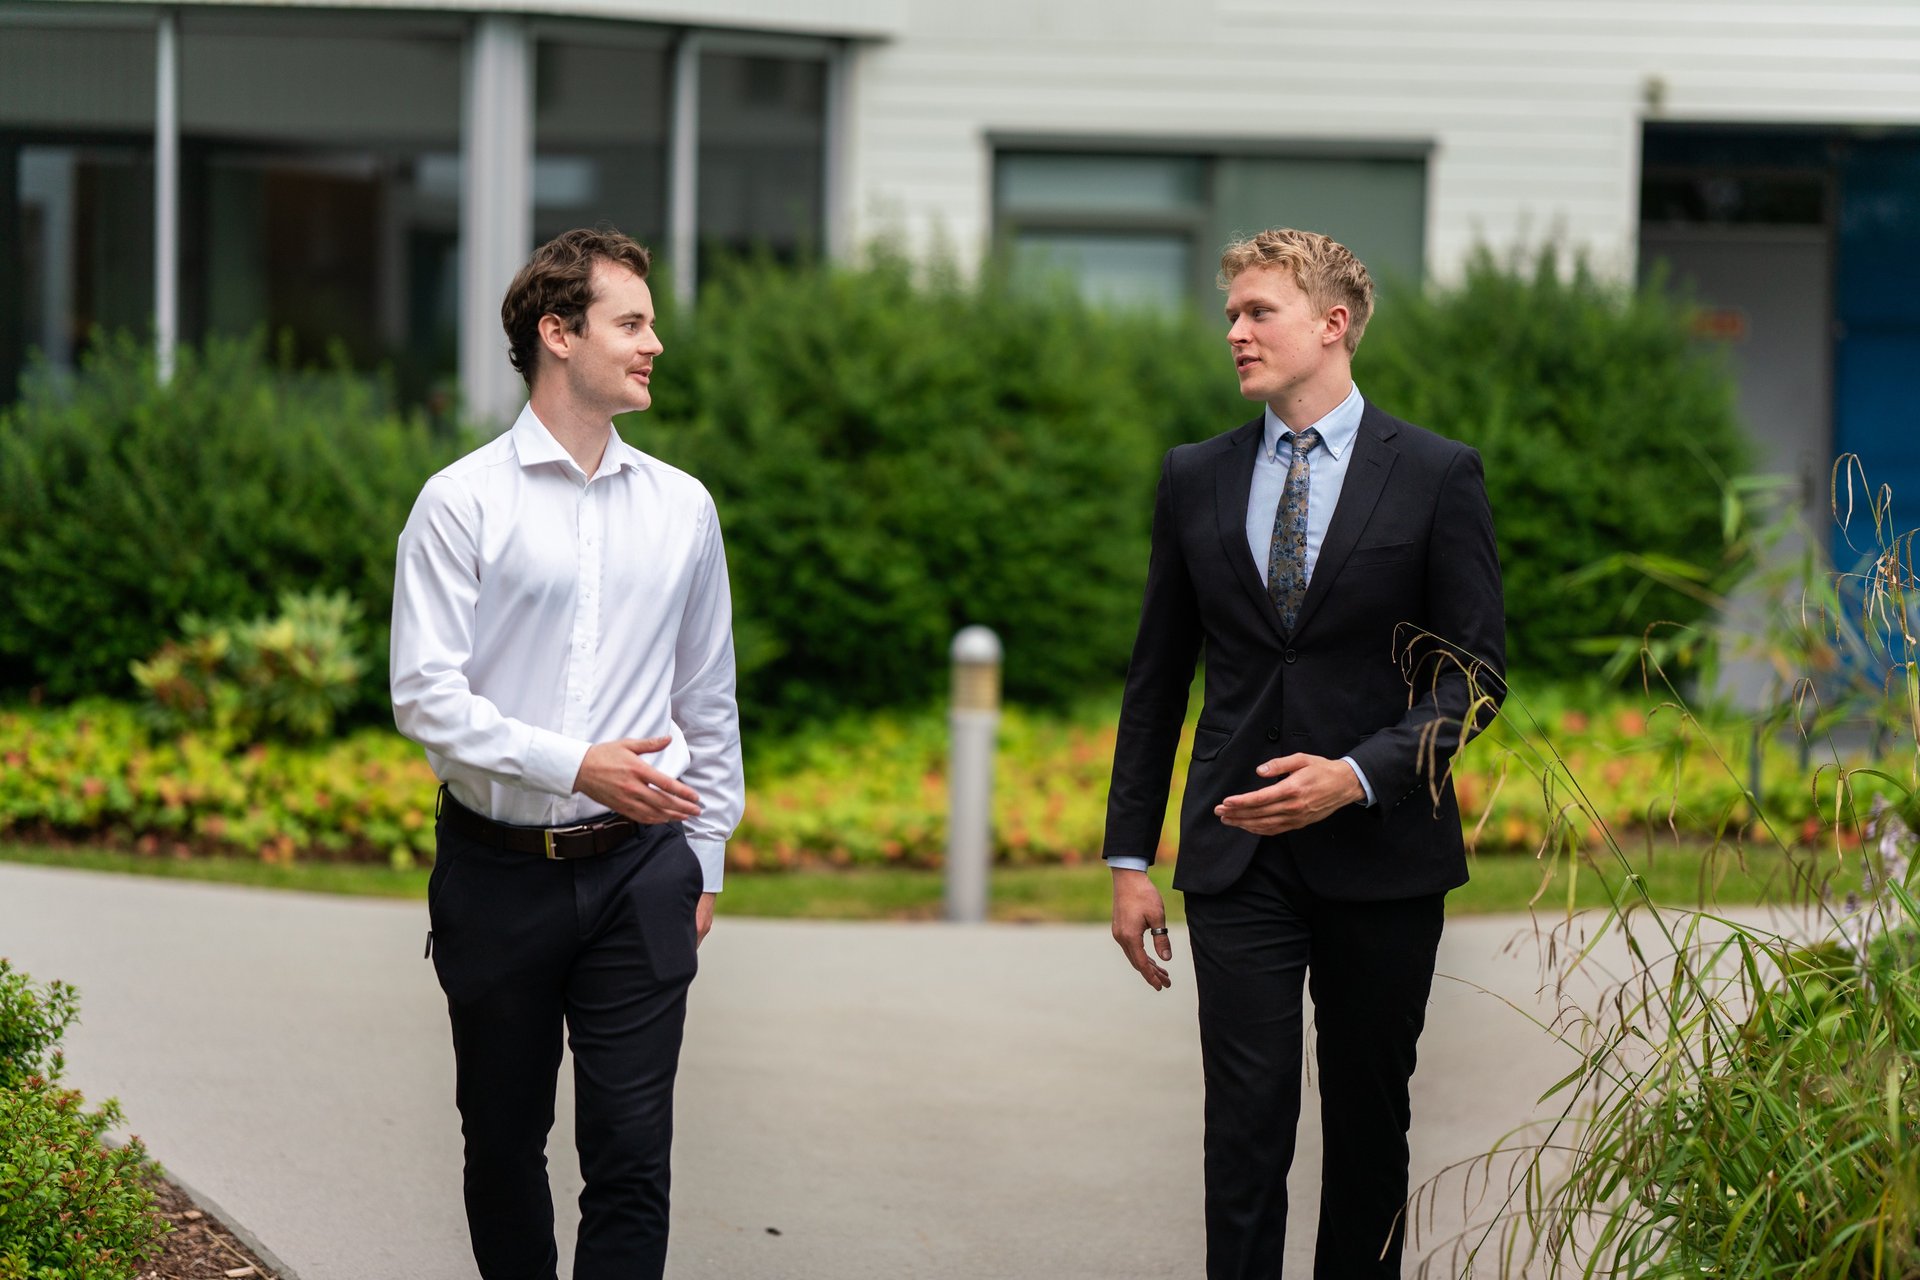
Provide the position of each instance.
(614, 774)
(1137, 908)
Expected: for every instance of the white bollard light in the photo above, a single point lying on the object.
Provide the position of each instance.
(975, 725)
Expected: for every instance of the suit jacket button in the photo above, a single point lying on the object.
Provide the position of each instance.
(1290, 655)
(1273, 733)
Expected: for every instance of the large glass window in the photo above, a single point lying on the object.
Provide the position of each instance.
(602, 100)
(762, 155)
(320, 187)
(76, 191)
(1137, 229)
(1123, 228)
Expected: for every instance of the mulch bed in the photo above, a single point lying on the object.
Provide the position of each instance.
(198, 1247)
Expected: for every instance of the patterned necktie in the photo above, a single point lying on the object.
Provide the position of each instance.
(1287, 555)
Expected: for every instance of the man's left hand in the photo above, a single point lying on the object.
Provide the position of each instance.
(702, 919)
(1309, 788)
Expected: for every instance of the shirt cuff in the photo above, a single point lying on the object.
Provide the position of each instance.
(1361, 774)
(553, 762)
(1120, 862)
(713, 862)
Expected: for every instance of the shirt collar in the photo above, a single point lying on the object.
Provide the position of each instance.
(533, 444)
(1337, 429)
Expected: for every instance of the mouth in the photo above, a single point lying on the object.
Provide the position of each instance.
(645, 375)
(1243, 363)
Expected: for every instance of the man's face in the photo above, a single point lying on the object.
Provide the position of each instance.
(1278, 342)
(611, 361)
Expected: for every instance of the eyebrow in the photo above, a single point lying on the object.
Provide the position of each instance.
(631, 315)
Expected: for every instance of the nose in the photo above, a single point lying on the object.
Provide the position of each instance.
(1237, 333)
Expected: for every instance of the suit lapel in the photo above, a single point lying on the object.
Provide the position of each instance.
(1233, 484)
(1373, 459)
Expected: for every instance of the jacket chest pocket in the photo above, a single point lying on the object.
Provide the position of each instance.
(1382, 553)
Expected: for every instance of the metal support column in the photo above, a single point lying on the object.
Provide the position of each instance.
(496, 207)
(683, 170)
(166, 194)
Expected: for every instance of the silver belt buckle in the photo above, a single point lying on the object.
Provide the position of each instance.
(553, 854)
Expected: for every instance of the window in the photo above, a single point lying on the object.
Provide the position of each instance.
(602, 100)
(76, 191)
(319, 196)
(1135, 228)
(762, 163)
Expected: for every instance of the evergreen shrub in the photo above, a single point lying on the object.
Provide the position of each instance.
(896, 456)
(126, 505)
(896, 452)
(71, 1208)
(1604, 426)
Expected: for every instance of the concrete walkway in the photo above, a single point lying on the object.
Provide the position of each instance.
(856, 1100)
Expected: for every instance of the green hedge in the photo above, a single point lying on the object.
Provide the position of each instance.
(896, 457)
(1605, 428)
(125, 505)
(896, 453)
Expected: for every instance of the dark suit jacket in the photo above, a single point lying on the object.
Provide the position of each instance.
(1403, 603)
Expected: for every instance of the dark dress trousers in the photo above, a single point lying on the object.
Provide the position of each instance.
(1400, 635)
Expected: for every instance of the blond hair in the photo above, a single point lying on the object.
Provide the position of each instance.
(1324, 269)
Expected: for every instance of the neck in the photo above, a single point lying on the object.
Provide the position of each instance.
(582, 432)
(1302, 406)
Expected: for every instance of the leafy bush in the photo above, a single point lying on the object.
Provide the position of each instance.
(283, 677)
(71, 1208)
(871, 788)
(93, 769)
(896, 457)
(895, 452)
(125, 505)
(1604, 427)
(32, 1021)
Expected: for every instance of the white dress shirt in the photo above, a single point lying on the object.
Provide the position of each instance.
(538, 611)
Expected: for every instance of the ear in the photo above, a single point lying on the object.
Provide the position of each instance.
(556, 337)
(1334, 324)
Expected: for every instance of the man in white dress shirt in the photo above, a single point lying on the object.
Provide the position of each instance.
(563, 649)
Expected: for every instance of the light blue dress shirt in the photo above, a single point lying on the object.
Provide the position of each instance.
(1327, 474)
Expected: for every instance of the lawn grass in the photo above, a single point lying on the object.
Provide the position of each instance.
(1684, 876)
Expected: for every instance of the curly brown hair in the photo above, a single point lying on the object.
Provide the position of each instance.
(558, 281)
(1324, 269)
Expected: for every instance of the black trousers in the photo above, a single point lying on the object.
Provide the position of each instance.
(603, 947)
(1369, 966)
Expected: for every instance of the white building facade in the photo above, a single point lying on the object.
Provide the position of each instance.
(371, 174)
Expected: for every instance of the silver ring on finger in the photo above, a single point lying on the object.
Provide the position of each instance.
(1157, 933)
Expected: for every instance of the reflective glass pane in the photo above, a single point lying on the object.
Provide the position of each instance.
(320, 186)
(762, 155)
(600, 138)
(1115, 269)
(1042, 183)
(76, 191)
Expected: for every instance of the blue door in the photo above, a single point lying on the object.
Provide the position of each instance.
(1876, 365)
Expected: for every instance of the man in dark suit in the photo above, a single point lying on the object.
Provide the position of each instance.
(1337, 568)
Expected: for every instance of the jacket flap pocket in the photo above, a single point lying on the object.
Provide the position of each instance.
(1207, 742)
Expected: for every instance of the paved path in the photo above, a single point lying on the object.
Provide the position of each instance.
(856, 1100)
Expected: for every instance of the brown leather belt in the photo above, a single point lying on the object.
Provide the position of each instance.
(581, 840)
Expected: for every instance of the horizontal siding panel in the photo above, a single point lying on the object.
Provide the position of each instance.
(1533, 107)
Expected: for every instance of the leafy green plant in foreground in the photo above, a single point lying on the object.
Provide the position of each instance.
(71, 1208)
(1745, 1101)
